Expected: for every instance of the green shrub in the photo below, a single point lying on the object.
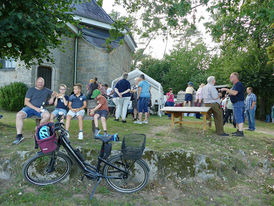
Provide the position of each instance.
(12, 96)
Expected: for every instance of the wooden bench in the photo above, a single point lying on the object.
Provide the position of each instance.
(178, 112)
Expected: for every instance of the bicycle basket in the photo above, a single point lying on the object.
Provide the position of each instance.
(47, 143)
(133, 146)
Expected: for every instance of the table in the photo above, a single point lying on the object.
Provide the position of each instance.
(178, 112)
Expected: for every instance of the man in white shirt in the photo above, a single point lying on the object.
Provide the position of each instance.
(212, 99)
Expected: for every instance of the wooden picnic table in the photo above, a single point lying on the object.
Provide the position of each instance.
(178, 112)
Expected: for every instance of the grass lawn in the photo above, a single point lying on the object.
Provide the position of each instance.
(246, 178)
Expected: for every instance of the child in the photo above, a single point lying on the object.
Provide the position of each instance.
(77, 104)
(100, 111)
(189, 92)
(60, 103)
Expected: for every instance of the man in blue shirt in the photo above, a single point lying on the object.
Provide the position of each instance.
(77, 105)
(122, 91)
(237, 99)
(143, 97)
(35, 100)
(250, 108)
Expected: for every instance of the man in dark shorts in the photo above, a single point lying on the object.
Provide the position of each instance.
(35, 98)
(237, 99)
(100, 111)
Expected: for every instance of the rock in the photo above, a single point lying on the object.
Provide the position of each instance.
(5, 169)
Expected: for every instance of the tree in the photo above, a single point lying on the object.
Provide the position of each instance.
(161, 18)
(180, 67)
(30, 29)
(244, 30)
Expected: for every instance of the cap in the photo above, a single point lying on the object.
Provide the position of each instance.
(190, 83)
(95, 93)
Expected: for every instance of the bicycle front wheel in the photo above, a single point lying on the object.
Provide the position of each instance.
(132, 180)
(44, 169)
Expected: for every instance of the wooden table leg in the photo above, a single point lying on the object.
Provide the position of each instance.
(204, 118)
(172, 120)
(181, 119)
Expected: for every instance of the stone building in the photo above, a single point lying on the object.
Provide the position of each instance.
(84, 57)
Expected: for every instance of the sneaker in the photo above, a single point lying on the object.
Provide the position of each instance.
(239, 134)
(233, 133)
(138, 122)
(145, 122)
(117, 120)
(80, 136)
(224, 135)
(96, 132)
(18, 139)
(67, 134)
(124, 121)
(135, 119)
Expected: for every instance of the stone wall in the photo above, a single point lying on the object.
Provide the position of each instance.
(96, 62)
(19, 74)
(91, 62)
(62, 69)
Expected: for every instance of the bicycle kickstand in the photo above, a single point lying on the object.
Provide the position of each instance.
(93, 191)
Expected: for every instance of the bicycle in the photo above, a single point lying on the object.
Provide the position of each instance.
(125, 172)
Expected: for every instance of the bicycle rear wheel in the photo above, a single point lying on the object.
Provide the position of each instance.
(44, 169)
(134, 180)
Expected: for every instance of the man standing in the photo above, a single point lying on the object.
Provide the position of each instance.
(237, 99)
(250, 108)
(122, 89)
(212, 99)
(36, 97)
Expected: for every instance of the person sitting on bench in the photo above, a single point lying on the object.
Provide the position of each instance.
(36, 97)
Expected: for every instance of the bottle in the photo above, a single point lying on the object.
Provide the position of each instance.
(42, 107)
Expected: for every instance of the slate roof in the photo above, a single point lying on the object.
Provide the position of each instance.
(91, 10)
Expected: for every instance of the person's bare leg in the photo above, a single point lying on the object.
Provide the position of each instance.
(96, 117)
(20, 116)
(189, 103)
(135, 113)
(146, 116)
(104, 123)
(51, 117)
(140, 116)
(241, 126)
(68, 122)
(80, 122)
(45, 117)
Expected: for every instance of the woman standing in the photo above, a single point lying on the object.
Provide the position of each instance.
(170, 100)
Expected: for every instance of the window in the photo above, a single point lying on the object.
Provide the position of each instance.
(7, 64)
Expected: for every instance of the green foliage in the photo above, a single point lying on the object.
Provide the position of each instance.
(244, 30)
(180, 67)
(12, 96)
(161, 18)
(29, 29)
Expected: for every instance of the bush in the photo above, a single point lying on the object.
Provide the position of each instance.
(12, 96)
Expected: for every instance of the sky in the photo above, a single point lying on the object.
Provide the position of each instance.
(156, 48)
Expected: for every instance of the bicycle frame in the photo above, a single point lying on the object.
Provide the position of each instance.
(96, 172)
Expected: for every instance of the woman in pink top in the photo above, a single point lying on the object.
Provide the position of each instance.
(170, 99)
